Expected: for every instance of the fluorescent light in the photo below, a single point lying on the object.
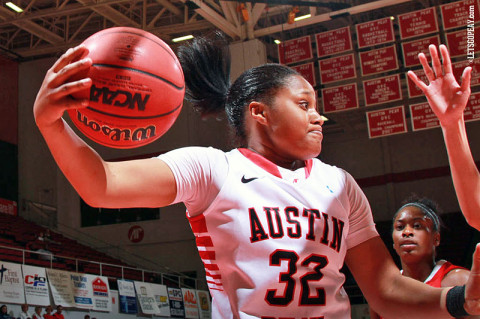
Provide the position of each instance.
(14, 7)
(324, 118)
(392, 18)
(277, 41)
(303, 17)
(187, 37)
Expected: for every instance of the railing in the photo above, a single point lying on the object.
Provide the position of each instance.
(54, 261)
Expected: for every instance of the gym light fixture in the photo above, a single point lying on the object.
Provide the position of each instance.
(302, 17)
(186, 37)
(277, 41)
(14, 7)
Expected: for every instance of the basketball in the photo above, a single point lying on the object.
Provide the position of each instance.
(137, 89)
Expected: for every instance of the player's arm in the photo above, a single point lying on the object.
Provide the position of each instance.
(146, 183)
(448, 100)
(395, 296)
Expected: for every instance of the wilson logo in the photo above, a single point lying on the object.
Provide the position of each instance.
(116, 134)
(119, 98)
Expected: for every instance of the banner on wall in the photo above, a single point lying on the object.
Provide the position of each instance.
(101, 293)
(82, 291)
(11, 283)
(161, 297)
(8, 207)
(36, 285)
(145, 297)
(61, 287)
(128, 300)
(204, 305)
(190, 302)
(175, 297)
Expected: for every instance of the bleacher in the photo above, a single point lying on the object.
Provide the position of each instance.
(17, 234)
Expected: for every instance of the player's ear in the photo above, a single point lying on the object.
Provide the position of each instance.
(256, 111)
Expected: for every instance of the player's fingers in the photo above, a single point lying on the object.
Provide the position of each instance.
(421, 85)
(70, 70)
(426, 68)
(437, 66)
(71, 88)
(447, 63)
(466, 76)
(70, 55)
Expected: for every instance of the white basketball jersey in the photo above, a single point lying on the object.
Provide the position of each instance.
(273, 246)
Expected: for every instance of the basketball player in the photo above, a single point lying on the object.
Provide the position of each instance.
(273, 224)
(416, 234)
(448, 106)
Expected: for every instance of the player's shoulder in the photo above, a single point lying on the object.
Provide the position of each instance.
(329, 169)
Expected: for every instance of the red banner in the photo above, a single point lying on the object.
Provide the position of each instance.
(8, 207)
(386, 122)
(418, 23)
(457, 42)
(295, 50)
(379, 60)
(375, 32)
(382, 90)
(333, 42)
(340, 98)
(337, 68)
(411, 49)
(307, 71)
(458, 68)
(459, 14)
(423, 117)
(472, 111)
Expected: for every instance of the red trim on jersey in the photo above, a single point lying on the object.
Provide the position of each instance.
(212, 267)
(205, 241)
(270, 166)
(308, 167)
(208, 255)
(436, 280)
(198, 224)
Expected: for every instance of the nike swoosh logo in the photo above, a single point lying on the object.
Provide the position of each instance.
(248, 180)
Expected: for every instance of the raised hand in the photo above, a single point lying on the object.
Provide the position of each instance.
(54, 98)
(472, 290)
(446, 97)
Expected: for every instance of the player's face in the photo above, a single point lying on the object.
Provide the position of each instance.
(413, 235)
(294, 124)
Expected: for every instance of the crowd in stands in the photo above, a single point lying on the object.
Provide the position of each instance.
(25, 314)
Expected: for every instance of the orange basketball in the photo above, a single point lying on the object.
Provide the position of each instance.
(137, 91)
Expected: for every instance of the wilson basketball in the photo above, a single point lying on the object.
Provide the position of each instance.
(137, 90)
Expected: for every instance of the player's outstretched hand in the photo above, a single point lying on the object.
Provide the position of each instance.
(472, 289)
(54, 98)
(446, 97)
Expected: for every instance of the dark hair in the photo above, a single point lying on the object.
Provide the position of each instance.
(206, 66)
(429, 207)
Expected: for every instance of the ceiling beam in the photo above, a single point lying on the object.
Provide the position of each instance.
(111, 14)
(327, 16)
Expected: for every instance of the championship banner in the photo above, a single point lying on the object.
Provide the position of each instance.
(145, 297)
(191, 303)
(61, 287)
(101, 293)
(204, 306)
(386, 122)
(8, 207)
(295, 50)
(11, 283)
(375, 32)
(175, 296)
(128, 300)
(161, 297)
(422, 117)
(82, 291)
(418, 23)
(36, 285)
(333, 42)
